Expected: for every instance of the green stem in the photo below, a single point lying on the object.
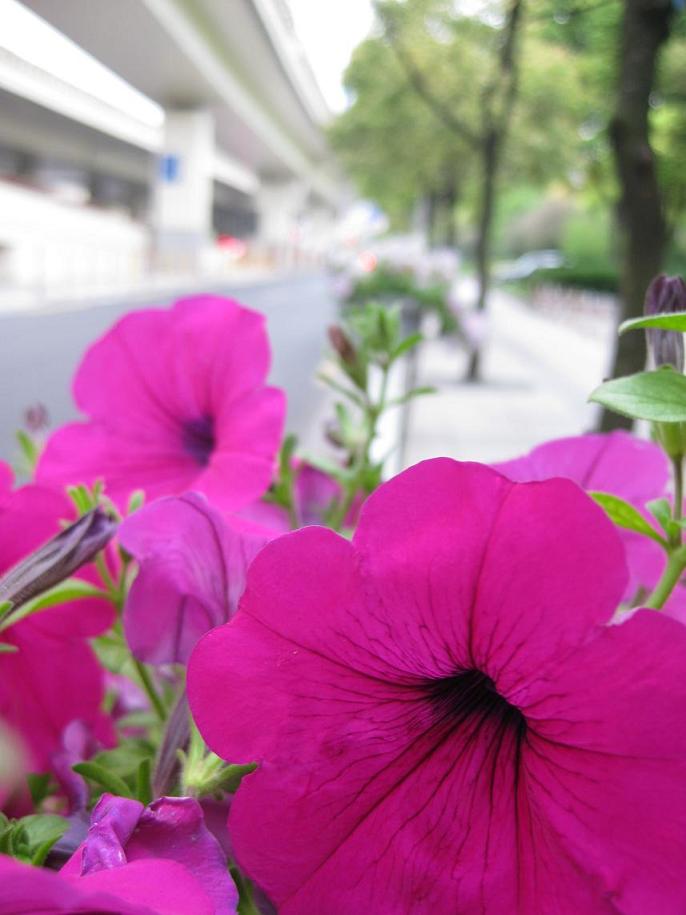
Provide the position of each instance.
(107, 580)
(678, 469)
(149, 687)
(670, 576)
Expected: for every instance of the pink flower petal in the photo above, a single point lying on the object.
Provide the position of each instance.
(619, 463)
(151, 887)
(176, 400)
(607, 765)
(6, 480)
(418, 701)
(123, 832)
(192, 572)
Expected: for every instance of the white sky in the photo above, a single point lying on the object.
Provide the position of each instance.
(329, 30)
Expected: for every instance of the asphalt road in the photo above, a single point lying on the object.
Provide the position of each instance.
(40, 351)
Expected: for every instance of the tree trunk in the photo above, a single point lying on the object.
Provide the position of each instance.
(431, 217)
(640, 214)
(489, 166)
(448, 199)
(503, 92)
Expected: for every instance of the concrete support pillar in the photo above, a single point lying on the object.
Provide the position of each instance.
(280, 207)
(182, 206)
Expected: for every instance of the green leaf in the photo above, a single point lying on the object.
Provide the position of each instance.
(659, 396)
(31, 838)
(107, 779)
(341, 389)
(674, 321)
(136, 500)
(626, 516)
(29, 448)
(143, 786)
(415, 392)
(407, 344)
(39, 786)
(126, 758)
(661, 510)
(68, 590)
(41, 828)
(81, 498)
(6, 648)
(112, 652)
(326, 466)
(231, 777)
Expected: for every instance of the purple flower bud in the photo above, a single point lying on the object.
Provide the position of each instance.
(342, 344)
(58, 558)
(666, 295)
(36, 418)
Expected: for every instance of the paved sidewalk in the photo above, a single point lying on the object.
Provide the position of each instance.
(538, 371)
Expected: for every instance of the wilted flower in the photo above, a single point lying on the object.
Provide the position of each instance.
(53, 677)
(666, 295)
(158, 860)
(192, 571)
(176, 400)
(57, 559)
(443, 720)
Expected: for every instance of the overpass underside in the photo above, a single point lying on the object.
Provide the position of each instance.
(225, 143)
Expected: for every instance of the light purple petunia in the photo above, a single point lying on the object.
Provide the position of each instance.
(176, 400)
(443, 718)
(192, 568)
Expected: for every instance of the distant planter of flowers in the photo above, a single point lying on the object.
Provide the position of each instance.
(240, 679)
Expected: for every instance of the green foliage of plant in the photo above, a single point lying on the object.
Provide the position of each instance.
(400, 287)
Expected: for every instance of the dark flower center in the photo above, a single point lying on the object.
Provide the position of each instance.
(198, 439)
(471, 696)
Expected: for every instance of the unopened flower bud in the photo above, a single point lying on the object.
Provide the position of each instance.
(333, 435)
(342, 344)
(665, 295)
(36, 418)
(58, 558)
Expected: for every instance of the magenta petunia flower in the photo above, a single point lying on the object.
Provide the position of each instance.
(157, 860)
(443, 718)
(146, 887)
(52, 646)
(193, 564)
(619, 463)
(176, 400)
(124, 832)
(6, 478)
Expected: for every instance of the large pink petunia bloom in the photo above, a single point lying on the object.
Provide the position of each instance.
(159, 860)
(443, 718)
(52, 644)
(619, 463)
(192, 568)
(176, 400)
